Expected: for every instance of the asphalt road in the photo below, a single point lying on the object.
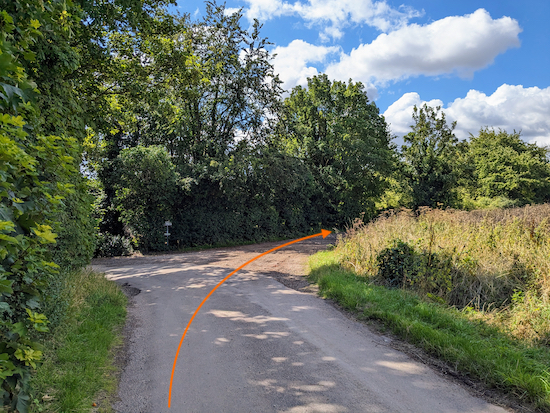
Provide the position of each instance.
(258, 346)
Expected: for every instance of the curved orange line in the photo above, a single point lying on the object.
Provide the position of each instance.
(324, 233)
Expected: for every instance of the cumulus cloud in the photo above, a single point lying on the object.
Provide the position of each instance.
(509, 108)
(399, 113)
(453, 45)
(291, 62)
(339, 13)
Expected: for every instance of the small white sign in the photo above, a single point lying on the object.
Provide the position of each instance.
(166, 233)
(167, 224)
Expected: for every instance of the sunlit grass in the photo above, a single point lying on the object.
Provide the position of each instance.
(500, 260)
(471, 346)
(78, 370)
(486, 312)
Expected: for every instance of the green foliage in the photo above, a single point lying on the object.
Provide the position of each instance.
(344, 142)
(35, 170)
(485, 202)
(499, 166)
(238, 91)
(146, 193)
(205, 84)
(465, 340)
(396, 264)
(75, 227)
(109, 245)
(31, 189)
(258, 196)
(430, 158)
(46, 100)
(400, 265)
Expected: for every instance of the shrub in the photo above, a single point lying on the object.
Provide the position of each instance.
(396, 263)
(110, 245)
(400, 265)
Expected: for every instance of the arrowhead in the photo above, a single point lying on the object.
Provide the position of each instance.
(325, 233)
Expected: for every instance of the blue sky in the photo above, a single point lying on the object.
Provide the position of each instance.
(487, 63)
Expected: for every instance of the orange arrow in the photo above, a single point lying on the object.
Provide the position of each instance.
(323, 232)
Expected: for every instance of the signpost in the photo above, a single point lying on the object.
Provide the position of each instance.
(167, 233)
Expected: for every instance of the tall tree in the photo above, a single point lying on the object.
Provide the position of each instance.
(429, 154)
(207, 93)
(343, 140)
(239, 92)
(193, 88)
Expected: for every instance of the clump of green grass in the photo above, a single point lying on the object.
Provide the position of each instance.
(78, 369)
(496, 263)
(470, 345)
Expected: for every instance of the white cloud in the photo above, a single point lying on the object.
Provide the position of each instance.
(266, 9)
(509, 108)
(453, 45)
(291, 62)
(340, 13)
(399, 113)
(231, 10)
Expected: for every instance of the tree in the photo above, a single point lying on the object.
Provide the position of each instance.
(429, 156)
(503, 165)
(344, 142)
(51, 57)
(144, 64)
(207, 93)
(193, 87)
(238, 93)
(146, 193)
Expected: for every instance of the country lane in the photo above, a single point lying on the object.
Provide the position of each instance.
(259, 346)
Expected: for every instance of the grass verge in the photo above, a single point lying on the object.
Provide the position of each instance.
(465, 342)
(78, 367)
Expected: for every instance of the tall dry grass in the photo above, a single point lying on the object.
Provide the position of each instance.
(499, 260)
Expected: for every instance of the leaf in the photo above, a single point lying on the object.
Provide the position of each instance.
(23, 399)
(7, 18)
(19, 355)
(5, 287)
(11, 90)
(6, 226)
(32, 303)
(7, 368)
(5, 307)
(44, 232)
(20, 329)
(29, 56)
